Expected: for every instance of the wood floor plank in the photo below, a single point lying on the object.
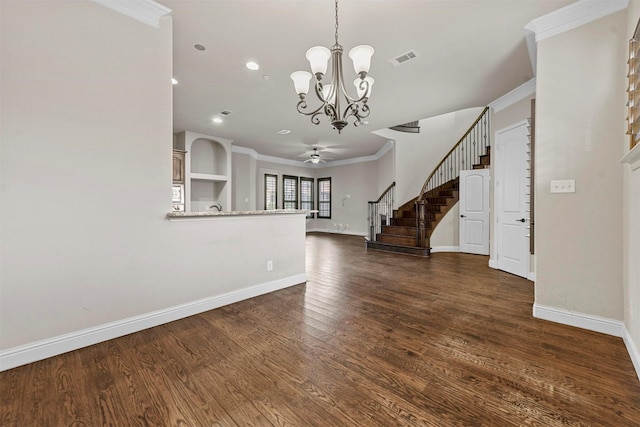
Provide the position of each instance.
(372, 339)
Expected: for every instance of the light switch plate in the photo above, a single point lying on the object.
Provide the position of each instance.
(563, 186)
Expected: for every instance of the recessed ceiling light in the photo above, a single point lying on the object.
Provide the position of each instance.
(174, 81)
(199, 47)
(217, 120)
(284, 131)
(252, 65)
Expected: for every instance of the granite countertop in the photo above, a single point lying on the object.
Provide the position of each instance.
(235, 213)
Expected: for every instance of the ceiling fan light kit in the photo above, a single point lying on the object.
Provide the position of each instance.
(314, 157)
(331, 95)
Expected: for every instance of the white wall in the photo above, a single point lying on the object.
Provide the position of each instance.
(580, 118)
(349, 215)
(631, 229)
(416, 155)
(357, 180)
(386, 170)
(85, 183)
(244, 182)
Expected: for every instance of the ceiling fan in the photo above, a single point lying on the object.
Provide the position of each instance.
(315, 157)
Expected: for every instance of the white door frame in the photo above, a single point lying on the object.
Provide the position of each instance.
(497, 202)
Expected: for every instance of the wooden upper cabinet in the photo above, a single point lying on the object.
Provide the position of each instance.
(178, 166)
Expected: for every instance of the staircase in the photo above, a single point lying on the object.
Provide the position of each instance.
(410, 227)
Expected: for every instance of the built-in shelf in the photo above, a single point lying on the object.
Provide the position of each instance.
(208, 177)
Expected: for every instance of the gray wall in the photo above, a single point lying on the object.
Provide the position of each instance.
(85, 183)
(580, 119)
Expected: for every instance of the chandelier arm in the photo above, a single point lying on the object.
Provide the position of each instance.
(366, 88)
(302, 105)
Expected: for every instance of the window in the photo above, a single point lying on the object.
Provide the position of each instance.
(270, 191)
(290, 185)
(324, 197)
(306, 195)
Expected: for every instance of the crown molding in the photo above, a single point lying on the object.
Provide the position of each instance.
(517, 94)
(146, 11)
(279, 160)
(573, 16)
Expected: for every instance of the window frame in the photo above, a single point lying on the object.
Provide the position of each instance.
(312, 196)
(266, 188)
(296, 195)
(321, 181)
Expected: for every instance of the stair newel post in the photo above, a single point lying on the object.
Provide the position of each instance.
(421, 223)
(372, 221)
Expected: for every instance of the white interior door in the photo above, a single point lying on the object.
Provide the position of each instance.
(474, 211)
(512, 199)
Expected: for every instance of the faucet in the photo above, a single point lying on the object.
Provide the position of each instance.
(217, 205)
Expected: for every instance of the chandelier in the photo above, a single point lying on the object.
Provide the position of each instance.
(330, 94)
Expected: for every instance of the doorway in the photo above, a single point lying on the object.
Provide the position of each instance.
(512, 200)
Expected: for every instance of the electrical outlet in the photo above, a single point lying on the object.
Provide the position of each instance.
(269, 265)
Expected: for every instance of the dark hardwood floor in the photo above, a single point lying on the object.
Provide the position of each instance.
(372, 339)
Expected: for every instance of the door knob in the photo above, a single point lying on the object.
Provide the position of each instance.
(462, 216)
(521, 220)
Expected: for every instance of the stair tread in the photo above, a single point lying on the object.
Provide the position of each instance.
(406, 250)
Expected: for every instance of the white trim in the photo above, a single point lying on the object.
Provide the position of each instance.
(493, 263)
(580, 320)
(334, 231)
(279, 160)
(436, 249)
(532, 276)
(573, 16)
(532, 47)
(632, 349)
(517, 94)
(244, 150)
(633, 158)
(146, 11)
(28, 353)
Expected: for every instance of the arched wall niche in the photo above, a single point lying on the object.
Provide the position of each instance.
(207, 171)
(209, 157)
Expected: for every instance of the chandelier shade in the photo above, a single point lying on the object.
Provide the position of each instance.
(361, 57)
(318, 57)
(333, 93)
(301, 81)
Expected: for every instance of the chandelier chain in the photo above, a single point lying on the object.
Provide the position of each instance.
(336, 21)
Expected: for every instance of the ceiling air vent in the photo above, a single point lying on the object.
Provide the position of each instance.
(401, 59)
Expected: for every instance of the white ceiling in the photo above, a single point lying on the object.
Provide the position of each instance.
(471, 52)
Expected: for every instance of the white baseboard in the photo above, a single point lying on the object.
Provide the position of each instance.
(580, 320)
(435, 249)
(39, 350)
(532, 276)
(493, 263)
(332, 231)
(632, 349)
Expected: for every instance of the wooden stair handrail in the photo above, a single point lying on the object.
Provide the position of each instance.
(384, 193)
(426, 183)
